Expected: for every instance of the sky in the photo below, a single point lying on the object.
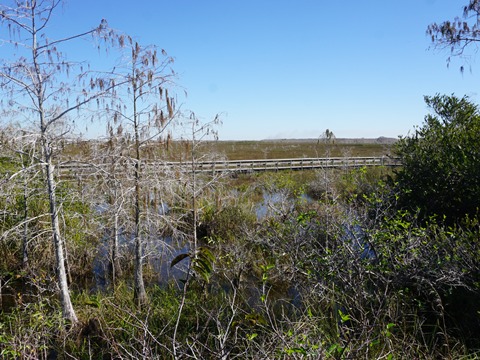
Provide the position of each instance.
(294, 68)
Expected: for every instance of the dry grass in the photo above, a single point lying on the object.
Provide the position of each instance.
(284, 149)
(248, 150)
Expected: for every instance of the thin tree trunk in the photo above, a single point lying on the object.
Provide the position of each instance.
(114, 263)
(39, 90)
(25, 224)
(139, 292)
(139, 288)
(66, 303)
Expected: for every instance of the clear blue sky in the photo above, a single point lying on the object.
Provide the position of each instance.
(293, 68)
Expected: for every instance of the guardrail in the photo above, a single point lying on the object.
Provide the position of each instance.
(295, 164)
(84, 169)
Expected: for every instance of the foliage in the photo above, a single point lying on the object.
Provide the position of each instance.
(441, 161)
(26, 333)
(43, 89)
(201, 262)
(226, 224)
(457, 35)
(321, 279)
(430, 267)
(343, 274)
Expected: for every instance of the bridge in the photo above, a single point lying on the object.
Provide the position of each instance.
(75, 168)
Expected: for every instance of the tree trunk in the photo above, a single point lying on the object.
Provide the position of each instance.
(65, 301)
(25, 224)
(114, 263)
(139, 293)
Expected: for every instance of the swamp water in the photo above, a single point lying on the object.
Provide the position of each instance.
(160, 251)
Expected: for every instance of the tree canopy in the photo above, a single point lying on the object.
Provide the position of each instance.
(441, 160)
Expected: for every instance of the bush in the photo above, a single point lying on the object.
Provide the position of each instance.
(441, 161)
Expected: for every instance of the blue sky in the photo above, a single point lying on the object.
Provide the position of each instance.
(293, 68)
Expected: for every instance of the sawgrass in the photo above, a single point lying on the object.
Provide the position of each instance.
(284, 149)
(249, 150)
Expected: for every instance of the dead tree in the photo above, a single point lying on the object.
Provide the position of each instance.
(43, 90)
(146, 112)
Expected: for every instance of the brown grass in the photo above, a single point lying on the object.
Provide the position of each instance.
(284, 149)
(248, 150)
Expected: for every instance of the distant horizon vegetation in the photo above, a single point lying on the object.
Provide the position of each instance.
(342, 140)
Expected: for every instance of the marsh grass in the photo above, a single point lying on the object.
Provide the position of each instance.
(248, 150)
(278, 149)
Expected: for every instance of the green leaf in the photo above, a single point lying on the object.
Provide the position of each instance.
(296, 350)
(344, 317)
(309, 313)
(335, 348)
(202, 263)
(179, 258)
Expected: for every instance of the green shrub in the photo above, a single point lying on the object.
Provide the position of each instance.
(441, 161)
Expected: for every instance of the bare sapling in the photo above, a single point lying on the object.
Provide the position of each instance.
(201, 258)
(147, 112)
(44, 93)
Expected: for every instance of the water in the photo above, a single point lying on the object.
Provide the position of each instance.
(159, 251)
(273, 204)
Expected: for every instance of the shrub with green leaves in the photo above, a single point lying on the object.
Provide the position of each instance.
(441, 160)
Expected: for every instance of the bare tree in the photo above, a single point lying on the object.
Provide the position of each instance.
(201, 258)
(146, 114)
(458, 34)
(116, 199)
(35, 80)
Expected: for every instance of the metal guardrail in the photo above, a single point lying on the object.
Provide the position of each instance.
(295, 164)
(84, 169)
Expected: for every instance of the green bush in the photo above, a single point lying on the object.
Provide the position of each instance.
(441, 161)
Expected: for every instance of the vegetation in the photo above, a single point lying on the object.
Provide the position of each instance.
(34, 83)
(164, 262)
(342, 273)
(441, 167)
(248, 150)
